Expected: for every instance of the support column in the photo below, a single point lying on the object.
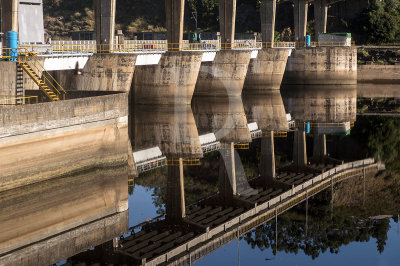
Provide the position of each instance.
(175, 10)
(227, 18)
(319, 149)
(268, 13)
(321, 16)
(268, 158)
(105, 24)
(175, 205)
(227, 175)
(9, 15)
(299, 148)
(300, 20)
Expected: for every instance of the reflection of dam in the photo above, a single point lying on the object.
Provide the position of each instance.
(172, 128)
(224, 116)
(266, 110)
(211, 225)
(320, 103)
(49, 221)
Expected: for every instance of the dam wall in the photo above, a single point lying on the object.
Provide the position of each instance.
(46, 140)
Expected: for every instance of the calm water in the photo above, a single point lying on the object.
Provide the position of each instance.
(358, 227)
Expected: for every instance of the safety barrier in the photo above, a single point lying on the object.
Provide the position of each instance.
(19, 101)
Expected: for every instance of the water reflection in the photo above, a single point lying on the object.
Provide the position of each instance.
(52, 220)
(323, 104)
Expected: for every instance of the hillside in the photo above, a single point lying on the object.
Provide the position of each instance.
(369, 21)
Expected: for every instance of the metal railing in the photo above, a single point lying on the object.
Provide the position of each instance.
(136, 46)
(19, 101)
(25, 56)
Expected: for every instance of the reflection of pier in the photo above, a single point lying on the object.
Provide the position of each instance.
(208, 227)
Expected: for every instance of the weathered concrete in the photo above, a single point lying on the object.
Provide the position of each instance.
(227, 18)
(9, 15)
(105, 24)
(81, 133)
(300, 19)
(267, 14)
(225, 75)
(319, 148)
(50, 221)
(266, 71)
(322, 65)
(267, 110)
(102, 72)
(321, 16)
(8, 80)
(227, 185)
(175, 10)
(172, 81)
(299, 148)
(223, 116)
(267, 163)
(175, 205)
(322, 104)
(172, 128)
(378, 74)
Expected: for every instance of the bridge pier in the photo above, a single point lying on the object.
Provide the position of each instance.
(175, 205)
(268, 173)
(267, 14)
(266, 71)
(300, 149)
(319, 149)
(227, 175)
(175, 13)
(321, 16)
(300, 20)
(227, 18)
(225, 75)
(105, 24)
(322, 66)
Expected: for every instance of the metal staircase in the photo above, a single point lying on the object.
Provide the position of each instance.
(47, 83)
(20, 92)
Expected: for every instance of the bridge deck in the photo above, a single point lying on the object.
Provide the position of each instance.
(210, 226)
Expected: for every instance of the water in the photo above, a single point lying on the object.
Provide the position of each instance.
(358, 227)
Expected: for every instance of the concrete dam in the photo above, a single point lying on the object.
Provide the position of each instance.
(81, 121)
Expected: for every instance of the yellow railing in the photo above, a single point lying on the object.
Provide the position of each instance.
(28, 57)
(188, 162)
(19, 101)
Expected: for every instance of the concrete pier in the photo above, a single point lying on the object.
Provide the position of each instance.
(102, 72)
(174, 13)
(267, 110)
(227, 175)
(322, 65)
(225, 75)
(8, 80)
(172, 81)
(299, 149)
(319, 149)
(223, 116)
(266, 71)
(227, 18)
(267, 14)
(9, 15)
(300, 20)
(105, 24)
(175, 205)
(322, 104)
(171, 128)
(321, 16)
(267, 163)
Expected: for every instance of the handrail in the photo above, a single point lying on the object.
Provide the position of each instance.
(43, 70)
(2, 104)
